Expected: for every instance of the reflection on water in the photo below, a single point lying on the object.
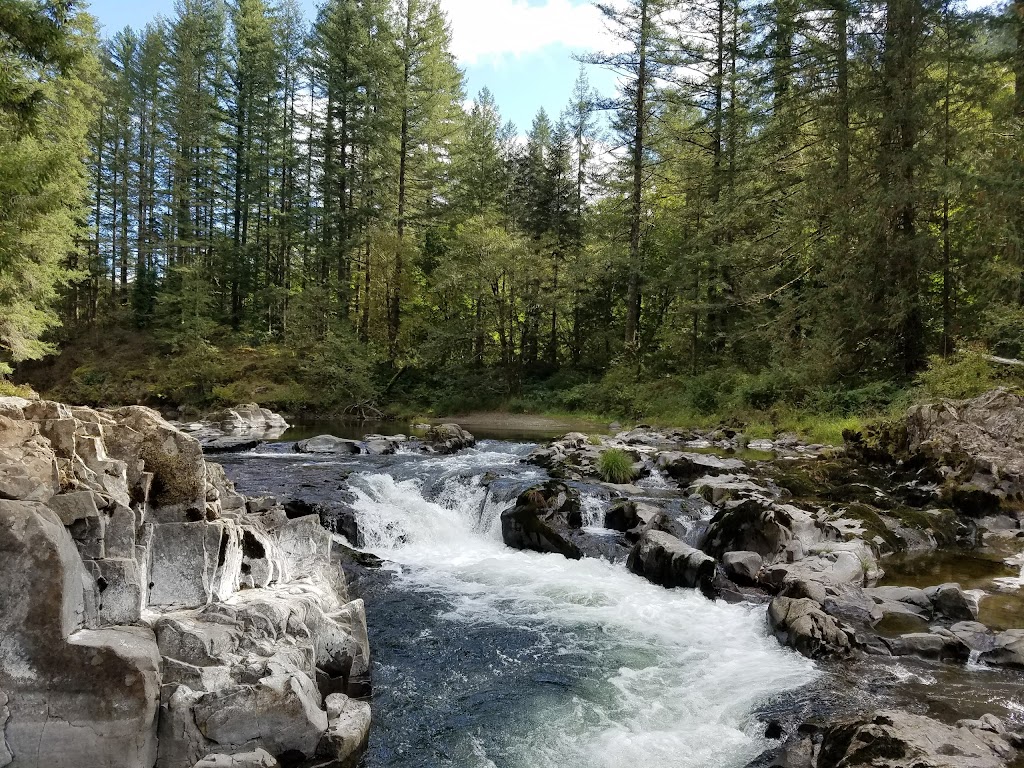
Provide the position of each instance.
(985, 569)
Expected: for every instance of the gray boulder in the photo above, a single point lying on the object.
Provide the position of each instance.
(327, 444)
(542, 520)
(757, 525)
(1007, 650)
(939, 645)
(893, 739)
(742, 567)
(803, 625)
(348, 731)
(257, 759)
(448, 439)
(663, 559)
(687, 467)
(951, 602)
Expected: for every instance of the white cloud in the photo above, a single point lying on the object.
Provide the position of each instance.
(496, 28)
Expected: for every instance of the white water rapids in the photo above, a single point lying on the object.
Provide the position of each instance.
(661, 678)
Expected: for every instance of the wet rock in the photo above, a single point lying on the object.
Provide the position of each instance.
(665, 560)
(335, 516)
(542, 520)
(907, 602)
(754, 525)
(377, 445)
(687, 467)
(742, 567)
(622, 516)
(803, 625)
(328, 444)
(940, 645)
(230, 445)
(448, 439)
(257, 759)
(1007, 650)
(348, 731)
(892, 739)
(975, 636)
(951, 602)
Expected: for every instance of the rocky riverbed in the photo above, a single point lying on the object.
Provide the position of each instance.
(735, 603)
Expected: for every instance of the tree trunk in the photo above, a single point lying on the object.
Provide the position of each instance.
(636, 209)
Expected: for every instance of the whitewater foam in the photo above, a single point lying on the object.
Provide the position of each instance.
(661, 677)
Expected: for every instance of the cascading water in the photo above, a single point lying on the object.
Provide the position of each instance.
(487, 656)
(644, 676)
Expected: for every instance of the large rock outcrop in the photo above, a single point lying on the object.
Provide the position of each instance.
(977, 445)
(149, 616)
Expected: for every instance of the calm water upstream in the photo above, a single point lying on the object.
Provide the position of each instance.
(487, 656)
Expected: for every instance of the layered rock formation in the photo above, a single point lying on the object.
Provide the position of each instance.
(150, 616)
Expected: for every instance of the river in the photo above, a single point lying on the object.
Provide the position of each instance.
(488, 656)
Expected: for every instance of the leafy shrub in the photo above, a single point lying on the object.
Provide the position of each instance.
(10, 389)
(616, 466)
(966, 374)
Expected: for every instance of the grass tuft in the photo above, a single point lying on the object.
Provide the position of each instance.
(616, 466)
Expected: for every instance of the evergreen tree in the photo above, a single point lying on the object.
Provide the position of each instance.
(48, 69)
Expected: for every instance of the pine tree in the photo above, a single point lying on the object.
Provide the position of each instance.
(48, 68)
(638, 24)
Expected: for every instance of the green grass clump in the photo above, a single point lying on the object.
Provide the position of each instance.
(616, 466)
(9, 389)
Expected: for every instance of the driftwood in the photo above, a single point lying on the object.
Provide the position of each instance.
(1004, 360)
(365, 411)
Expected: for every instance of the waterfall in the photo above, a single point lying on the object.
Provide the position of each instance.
(606, 671)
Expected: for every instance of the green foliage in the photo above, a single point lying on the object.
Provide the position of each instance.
(966, 374)
(9, 389)
(47, 64)
(616, 466)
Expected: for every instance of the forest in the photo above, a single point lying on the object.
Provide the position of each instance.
(788, 205)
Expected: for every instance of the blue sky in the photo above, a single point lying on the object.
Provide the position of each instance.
(521, 49)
